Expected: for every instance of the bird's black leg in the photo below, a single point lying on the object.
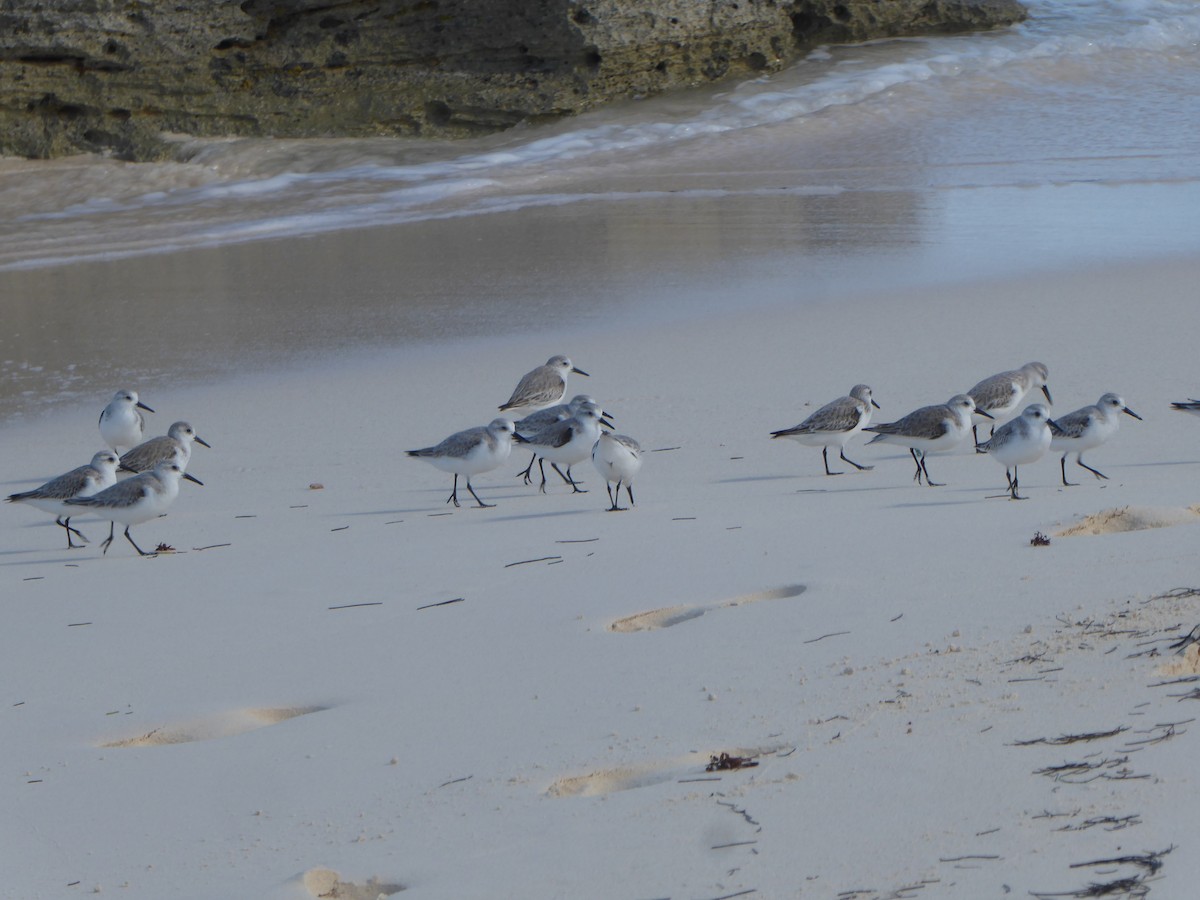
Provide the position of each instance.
(614, 496)
(66, 523)
(629, 491)
(1013, 484)
(567, 478)
(476, 496)
(860, 468)
(542, 469)
(104, 547)
(1062, 464)
(975, 434)
(454, 493)
(1079, 460)
(917, 460)
(527, 472)
(825, 456)
(929, 481)
(141, 552)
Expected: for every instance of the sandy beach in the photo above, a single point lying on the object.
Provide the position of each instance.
(337, 685)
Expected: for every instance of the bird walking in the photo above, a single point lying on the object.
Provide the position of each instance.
(83, 481)
(543, 386)
(1002, 394)
(471, 452)
(930, 429)
(834, 424)
(544, 418)
(1086, 428)
(1019, 441)
(174, 446)
(618, 459)
(567, 443)
(135, 500)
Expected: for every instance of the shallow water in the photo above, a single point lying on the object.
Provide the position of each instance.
(1068, 141)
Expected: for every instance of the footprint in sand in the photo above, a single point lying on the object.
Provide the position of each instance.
(625, 778)
(221, 725)
(667, 616)
(1132, 518)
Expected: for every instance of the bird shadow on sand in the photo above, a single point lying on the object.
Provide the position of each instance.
(544, 515)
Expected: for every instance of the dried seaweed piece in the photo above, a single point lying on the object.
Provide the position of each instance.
(1039, 540)
(164, 548)
(725, 762)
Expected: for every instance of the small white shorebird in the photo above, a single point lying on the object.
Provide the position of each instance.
(1085, 428)
(543, 418)
(930, 429)
(121, 423)
(834, 424)
(1020, 441)
(471, 452)
(618, 458)
(542, 387)
(84, 481)
(135, 500)
(1001, 395)
(174, 446)
(567, 442)
(1191, 406)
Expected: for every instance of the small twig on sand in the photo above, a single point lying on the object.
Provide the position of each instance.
(1073, 738)
(527, 561)
(353, 605)
(442, 603)
(822, 637)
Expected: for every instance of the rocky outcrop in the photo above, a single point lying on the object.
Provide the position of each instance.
(114, 75)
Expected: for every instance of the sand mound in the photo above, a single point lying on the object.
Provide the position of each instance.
(208, 728)
(1131, 518)
(326, 883)
(1181, 666)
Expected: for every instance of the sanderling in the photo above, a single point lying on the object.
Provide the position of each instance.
(471, 452)
(567, 442)
(1001, 395)
(834, 424)
(543, 418)
(930, 429)
(544, 386)
(84, 481)
(174, 446)
(1085, 428)
(1191, 406)
(618, 458)
(135, 500)
(121, 424)
(1022, 440)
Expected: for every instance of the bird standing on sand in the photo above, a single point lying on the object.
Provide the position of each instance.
(930, 429)
(542, 387)
(567, 442)
(1001, 395)
(1019, 441)
(84, 481)
(834, 424)
(1085, 428)
(471, 452)
(135, 500)
(174, 446)
(618, 459)
(543, 418)
(121, 425)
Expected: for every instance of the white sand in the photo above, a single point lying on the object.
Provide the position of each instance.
(205, 724)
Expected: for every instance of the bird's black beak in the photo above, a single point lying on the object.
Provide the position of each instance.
(519, 439)
(200, 440)
(874, 404)
(1128, 411)
(605, 422)
(984, 413)
(142, 405)
(1046, 391)
(580, 372)
(191, 477)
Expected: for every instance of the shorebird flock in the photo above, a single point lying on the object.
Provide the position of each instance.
(155, 468)
(565, 434)
(1018, 436)
(562, 434)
